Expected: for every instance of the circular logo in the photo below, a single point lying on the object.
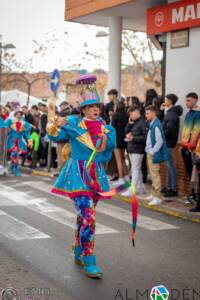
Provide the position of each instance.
(9, 294)
(159, 19)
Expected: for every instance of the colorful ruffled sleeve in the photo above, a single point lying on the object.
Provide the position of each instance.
(69, 131)
(110, 143)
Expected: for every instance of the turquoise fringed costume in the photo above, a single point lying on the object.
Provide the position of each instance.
(82, 183)
(20, 131)
(83, 176)
(75, 180)
(18, 138)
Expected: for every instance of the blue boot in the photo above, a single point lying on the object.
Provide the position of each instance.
(17, 171)
(78, 255)
(90, 267)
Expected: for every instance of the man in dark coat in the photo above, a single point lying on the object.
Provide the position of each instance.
(111, 105)
(27, 114)
(171, 126)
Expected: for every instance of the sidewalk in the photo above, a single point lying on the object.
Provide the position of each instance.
(173, 207)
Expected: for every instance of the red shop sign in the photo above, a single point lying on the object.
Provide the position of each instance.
(174, 16)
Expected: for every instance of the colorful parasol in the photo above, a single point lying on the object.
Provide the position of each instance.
(134, 203)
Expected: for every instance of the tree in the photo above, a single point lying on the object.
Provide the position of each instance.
(137, 51)
(140, 51)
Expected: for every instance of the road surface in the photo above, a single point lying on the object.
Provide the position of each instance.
(37, 229)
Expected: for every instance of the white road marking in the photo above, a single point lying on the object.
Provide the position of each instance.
(114, 211)
(124, 215)
(43, 207)
(15, 229)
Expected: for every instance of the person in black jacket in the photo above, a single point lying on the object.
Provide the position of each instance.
(111, 106)
(27, 114)
(119, 122)
(136, 134)
(171, 125)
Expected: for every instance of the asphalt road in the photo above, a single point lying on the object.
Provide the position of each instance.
(36, 230)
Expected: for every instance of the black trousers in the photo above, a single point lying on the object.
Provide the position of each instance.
(187, 158)
(34, 156)
(144, 169)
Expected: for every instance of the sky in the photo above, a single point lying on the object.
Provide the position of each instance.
(28, 24)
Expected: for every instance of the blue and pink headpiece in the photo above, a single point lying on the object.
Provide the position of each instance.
(88, 90)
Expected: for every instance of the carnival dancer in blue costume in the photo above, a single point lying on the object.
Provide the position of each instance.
(3, 151)
(80, 180)
(18, 139)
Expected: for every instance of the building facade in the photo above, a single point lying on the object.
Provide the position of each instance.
(175, 25)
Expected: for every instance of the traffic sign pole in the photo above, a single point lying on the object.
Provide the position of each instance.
(54, 85)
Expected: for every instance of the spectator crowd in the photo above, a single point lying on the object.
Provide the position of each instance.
(147, 133)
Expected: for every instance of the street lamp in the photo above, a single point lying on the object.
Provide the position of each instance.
(6, 46)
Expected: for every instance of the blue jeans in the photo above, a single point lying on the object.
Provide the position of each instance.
(172, 172)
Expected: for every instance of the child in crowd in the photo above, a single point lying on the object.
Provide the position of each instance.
(35, 137)
(136, 134)
(157, 152)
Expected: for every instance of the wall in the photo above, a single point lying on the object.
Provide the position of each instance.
(184, 186)
(133, 84)
(78, 8)
(183, 67)
(182, 77)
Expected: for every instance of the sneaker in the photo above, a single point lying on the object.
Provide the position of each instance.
(150, 197)
(170, 193)
(127, 193)
(155, 201)
(190, 199)
(120, 181)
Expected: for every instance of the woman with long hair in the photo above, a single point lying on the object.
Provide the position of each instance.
(150, 95)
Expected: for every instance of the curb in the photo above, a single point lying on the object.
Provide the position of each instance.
(166, 211)
(42, 174)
